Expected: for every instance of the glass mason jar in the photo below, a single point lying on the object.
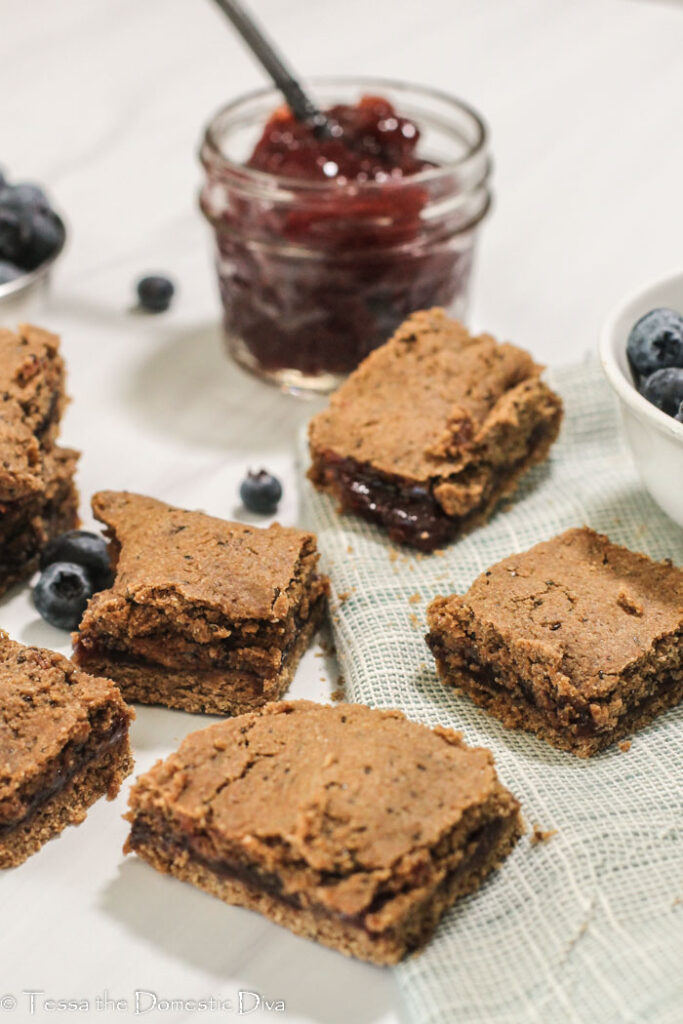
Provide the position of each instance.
(314, 275)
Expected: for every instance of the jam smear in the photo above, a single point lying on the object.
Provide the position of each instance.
(316, 281)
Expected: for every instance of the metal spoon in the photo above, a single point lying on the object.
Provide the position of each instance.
(298, 102)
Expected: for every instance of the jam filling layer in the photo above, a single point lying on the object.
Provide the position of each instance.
(73, 759)
(410, 513)
(195, 658)
(21, 532)
(143, 835)
(562, 716)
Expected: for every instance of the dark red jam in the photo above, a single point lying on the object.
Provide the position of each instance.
(312, 277)
(369, 142)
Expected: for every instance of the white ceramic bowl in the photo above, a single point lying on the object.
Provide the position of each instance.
(655, 439)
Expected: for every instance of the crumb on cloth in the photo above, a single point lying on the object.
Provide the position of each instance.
(327, 648)
(339, 693)
(540, 835)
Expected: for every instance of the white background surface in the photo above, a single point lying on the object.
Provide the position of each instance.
(103, 101)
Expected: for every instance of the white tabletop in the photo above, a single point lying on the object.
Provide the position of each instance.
(103, 101)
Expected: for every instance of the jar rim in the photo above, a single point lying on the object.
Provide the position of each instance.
(212, 148)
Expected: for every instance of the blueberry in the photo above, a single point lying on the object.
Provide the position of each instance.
(261, 492)
(15, 234)
(656, 342)
(29, 229)
(62, 593)
(155, 293)
(46, 237)
(27, 194)
(9, 271)
(7, 199)
(664, 388)
(23, 197)
(81, 548)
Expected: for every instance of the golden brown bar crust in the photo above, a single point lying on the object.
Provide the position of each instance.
(26, 526)
(351, 826)
(204, 614)
(457, 416)
(102, 777)
(63, 744)
(210, 691)
(32, 400)
(170, 555)
(577, 639)
(38, 498)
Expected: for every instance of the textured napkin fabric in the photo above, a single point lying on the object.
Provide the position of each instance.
(588, 926)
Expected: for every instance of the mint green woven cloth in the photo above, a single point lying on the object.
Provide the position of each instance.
(587, 927)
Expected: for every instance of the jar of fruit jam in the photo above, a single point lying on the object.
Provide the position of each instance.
(323, 246)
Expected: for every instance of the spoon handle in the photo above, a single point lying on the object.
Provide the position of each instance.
(297, 100)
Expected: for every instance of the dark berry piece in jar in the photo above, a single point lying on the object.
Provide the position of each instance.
(9, 271)
(155, 293)
(656, 342)
(62, 593)
(664, 388)
(84, 548)
(261, 492)
(370, 141)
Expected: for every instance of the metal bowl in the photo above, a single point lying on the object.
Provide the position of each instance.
(26, 292)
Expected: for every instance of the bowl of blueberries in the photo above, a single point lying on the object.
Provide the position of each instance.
(32, 235)
(641, 351)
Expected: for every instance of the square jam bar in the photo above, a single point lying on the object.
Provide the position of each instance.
(350, 826)
(63, 745)
(432, 429)
(577, 639)
(38, 499)
(204, 614)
